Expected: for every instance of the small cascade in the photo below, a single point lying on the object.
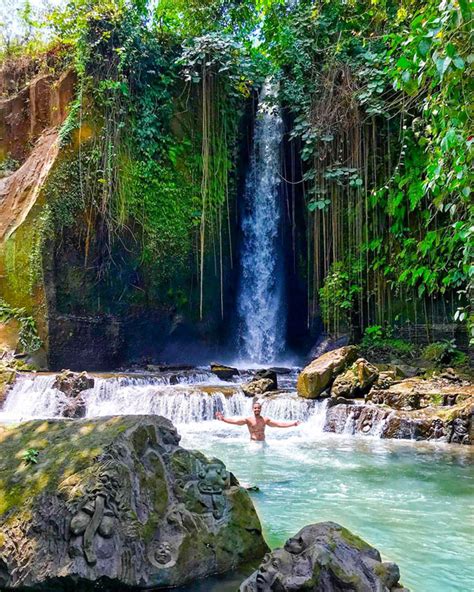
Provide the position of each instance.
(180, 404)
(33, 397)
(260, 301)
(179, 399)
(317, 418)
(349, 425)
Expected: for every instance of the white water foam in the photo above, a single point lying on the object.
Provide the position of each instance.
(35, 397)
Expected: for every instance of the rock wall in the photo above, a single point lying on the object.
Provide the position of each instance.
(39, 105)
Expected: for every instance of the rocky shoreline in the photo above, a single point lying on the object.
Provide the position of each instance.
(363, 397)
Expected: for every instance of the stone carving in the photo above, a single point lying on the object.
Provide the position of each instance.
(160, 555)
(97, 515)
(460, 433)
(118, 499)
(437, 430)
(323, 557)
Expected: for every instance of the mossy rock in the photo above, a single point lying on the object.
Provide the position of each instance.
(315, 378)
(323, 557)
(116, 501)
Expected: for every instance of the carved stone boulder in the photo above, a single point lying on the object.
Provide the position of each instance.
(324, 557)
(116, 502)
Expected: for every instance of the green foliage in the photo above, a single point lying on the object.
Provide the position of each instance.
(8, 165)
(30, 456)
(379, 343)
(378, 97)
(338, 294)
(28, 334)
(444, 352)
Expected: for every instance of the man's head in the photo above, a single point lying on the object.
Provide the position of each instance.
(257, 408)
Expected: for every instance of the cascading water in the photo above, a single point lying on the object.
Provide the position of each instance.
(260, 301)
(188, 400)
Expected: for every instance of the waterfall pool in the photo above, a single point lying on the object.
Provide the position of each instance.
(411, 500)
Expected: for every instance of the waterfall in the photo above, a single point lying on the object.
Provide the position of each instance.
(260, 307)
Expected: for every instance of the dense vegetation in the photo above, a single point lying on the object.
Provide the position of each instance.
(377, 99)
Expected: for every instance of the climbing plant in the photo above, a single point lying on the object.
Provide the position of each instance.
(28, 334)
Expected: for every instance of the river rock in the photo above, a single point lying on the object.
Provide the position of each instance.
(453, 425)
(116, 501)
(355, 419)
(270, 374)
(356, 380)
(324, 557)
(416, 393)
(224, 372)
(258, 386)
(72, 384)
(450, 424)
(7, 378)
(320, 373)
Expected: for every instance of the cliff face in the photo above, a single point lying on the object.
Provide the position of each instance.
(28, 137)
(95, 306)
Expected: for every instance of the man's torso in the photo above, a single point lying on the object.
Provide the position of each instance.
(256, 426)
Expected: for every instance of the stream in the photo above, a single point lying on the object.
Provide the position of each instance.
(411, 500)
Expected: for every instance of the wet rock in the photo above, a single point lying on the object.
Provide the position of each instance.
(320, 373)
(324, 557)
(395, 399)
(258, 387)
(7, 378)
(356, 381)
(355, 419)
(453, 425)
(117, 501)
(326, 343)
(403, 370)
(416, 393)
(270, 375)
(280, 370)
(169, 367)
(72, 384)
(224, 372)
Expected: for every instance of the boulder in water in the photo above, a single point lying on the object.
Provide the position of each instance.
(116, 501)
(258, 386)
(324, 557)
(320, 374)
(72, 384)
(356, 380)
(270, 374)
(224, 372)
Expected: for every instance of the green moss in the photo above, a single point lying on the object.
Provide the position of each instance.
(354, 540)
(64, 450)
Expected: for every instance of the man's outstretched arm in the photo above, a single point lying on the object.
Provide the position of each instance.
(220, 417)
(281, 424)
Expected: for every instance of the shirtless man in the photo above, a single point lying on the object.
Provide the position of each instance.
(257, 423)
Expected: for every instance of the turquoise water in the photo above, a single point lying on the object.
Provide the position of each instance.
(413, 501)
